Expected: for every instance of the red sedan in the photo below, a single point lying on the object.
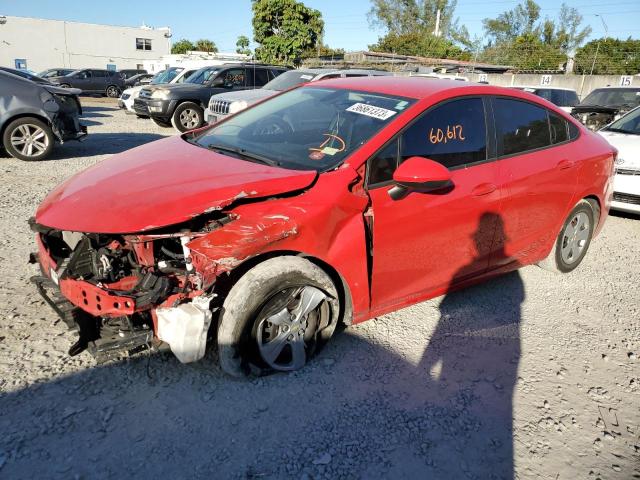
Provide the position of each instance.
(334, 202)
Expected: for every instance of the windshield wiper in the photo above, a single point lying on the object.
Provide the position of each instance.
(243, 153)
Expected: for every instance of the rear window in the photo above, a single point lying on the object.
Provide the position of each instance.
(520, 126)
(559, 129)
(290, 79)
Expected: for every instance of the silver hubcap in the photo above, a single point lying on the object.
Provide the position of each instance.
(574, 237)
(112, 91)
(30, 140)
(189, 118)
(288, 321)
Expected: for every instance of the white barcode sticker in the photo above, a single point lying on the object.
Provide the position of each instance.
(306, 77)
(371, 111)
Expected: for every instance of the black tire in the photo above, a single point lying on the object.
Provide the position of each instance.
(245, 331)
(112, 91)
(41, 139)
(187, 116)
(142, 116)
(161, 123)
(574, 239)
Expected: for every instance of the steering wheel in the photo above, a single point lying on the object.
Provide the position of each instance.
(272, 125)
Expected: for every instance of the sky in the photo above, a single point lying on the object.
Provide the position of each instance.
(346, 24)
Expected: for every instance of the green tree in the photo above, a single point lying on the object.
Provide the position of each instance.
(518, 22)
(614, 57)
(242, 45)
(205, 45)
(569, 35)
(182, 46)
(322, 50)
(420, 44)
(284, 29)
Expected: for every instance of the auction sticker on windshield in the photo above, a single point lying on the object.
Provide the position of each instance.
(371, 111)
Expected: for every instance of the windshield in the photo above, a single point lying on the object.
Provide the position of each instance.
(54, 73)
(630, 123)
(305, 129)
(289, 79)
(202, 76)
(613, 97)
(165, 76)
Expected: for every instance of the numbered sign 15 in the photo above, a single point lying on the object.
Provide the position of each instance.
(626, 80)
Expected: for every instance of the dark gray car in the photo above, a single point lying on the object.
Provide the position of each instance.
(182, 105)
(93, 80)
(33, 116)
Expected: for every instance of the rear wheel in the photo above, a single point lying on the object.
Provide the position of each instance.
(573, 242)
(187, 116)
(276, 317)
(112, 91)
(28, 139)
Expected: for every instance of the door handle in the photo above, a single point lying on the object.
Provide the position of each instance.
(564, 164)
(483, 189)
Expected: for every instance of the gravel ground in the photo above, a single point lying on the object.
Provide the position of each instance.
(531, 375)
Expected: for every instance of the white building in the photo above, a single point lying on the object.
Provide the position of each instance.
(38, 44)
(193, 60)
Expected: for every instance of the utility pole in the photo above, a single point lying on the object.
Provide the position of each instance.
(606, 34)
(437, 30)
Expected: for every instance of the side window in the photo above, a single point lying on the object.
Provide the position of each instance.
(84, 74)
(99, 73)
(545, 93)
(260, 76)
(571, 99)
(185, 77)
(351, 75)
(559, 129)
(453, 134)
(382, 166)
(234, 77)
(331, 75)
(520, 126)
(573, 131)
(558, 98)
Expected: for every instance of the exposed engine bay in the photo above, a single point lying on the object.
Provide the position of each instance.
(596, 117)
(113, 288)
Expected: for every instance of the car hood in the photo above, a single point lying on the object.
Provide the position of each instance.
(251, 96)
(176, 87)
(159, 184)
(628, 148)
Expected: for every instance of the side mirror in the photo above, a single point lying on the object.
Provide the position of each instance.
(418, 174)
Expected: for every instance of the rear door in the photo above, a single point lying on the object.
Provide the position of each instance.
(537, 167)
(426, 242)
(257, 77)
(98, 80)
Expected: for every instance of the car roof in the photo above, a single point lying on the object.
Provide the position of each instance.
(416, 87)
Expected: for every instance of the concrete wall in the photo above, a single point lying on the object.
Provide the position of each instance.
(53, 43)
(583, 84)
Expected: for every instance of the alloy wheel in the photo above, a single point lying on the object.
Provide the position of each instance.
(287, 326)
(189, 119)
(575, 237)
(30, 140)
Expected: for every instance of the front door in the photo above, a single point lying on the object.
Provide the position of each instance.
(426, 242)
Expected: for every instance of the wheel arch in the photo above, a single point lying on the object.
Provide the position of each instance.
(18, 116)
(224, 283)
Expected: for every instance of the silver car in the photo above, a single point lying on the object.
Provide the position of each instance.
(228, 103)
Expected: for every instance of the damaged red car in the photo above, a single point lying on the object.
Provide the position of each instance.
(333, 202)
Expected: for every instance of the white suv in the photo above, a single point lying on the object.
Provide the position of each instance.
(170, 75)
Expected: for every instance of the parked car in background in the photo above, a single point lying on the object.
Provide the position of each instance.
(624, 134)
(441, 76)
(132, 72)
(183, 105)
(565, 98)
(89, 80)
(55, 72)
(334, 202)
(170, 75)
(228, 103)
(137, 80)
(36, 115)
(604, 105)
(26, 74)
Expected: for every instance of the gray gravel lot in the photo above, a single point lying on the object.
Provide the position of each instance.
(531, 375)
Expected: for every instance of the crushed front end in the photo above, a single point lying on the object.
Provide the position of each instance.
(121, 291)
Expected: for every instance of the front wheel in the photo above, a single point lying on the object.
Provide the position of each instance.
(113, 91)
(28, 139)
(573, 242)
(276, 317)
(187, 116)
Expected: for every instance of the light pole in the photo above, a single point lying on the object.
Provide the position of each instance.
(606, 34)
